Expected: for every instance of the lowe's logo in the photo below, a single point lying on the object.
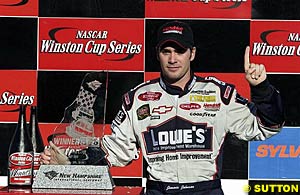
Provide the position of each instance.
(188, 136)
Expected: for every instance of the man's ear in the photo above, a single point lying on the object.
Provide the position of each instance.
(193, 53)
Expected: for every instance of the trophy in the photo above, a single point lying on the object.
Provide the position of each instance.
(76, 134)
(75, 143)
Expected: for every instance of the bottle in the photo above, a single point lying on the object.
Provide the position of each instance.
(20, 154)
(36, 138)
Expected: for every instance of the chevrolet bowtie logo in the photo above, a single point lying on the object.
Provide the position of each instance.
(162, 109)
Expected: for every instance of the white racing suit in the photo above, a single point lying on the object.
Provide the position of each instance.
(181, 133)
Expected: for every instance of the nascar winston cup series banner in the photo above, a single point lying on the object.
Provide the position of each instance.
(48, 46)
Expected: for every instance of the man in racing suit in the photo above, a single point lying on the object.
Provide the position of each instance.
(180, 120)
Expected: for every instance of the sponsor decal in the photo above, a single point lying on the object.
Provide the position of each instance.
(120, 117)
(190, 106)
(177, 156)
(202, 98)
(154, 117)
(227, 92)
(173, 29)
(143, 112)
(269, 158)
(210, 78)
(21, 159)
(127, 99)
(280, 151)
(240, 99)
(212, 107)
(187, 136)
(198, 8)
(162, 109)
(20, 175)
(276, 43)
(90, 42)
(203, 91)
(203, 114)
(150, 96)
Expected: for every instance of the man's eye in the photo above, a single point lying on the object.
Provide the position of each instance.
(165, 52)
(180, 51)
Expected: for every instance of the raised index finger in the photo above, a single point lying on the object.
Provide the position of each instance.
(247, 58)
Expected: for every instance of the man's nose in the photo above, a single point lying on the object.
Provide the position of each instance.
(172, 58)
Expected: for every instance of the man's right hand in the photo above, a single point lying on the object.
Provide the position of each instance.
(54, 156)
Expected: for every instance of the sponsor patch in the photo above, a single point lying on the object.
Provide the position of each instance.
(154, 117)
(143, 112)
(181, 156)
(227, 92)
(190, 106)
(203, 91)
(203, 98)
(211, 78)
(240, 99)
(127, 99)
(150, 96)
(120, 117)
(162, 109)
(187, 136)
(202, 114)
(212, 107)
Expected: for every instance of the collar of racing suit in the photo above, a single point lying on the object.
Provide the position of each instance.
(175, 90)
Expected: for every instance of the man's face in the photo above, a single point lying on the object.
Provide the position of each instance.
(175, 63)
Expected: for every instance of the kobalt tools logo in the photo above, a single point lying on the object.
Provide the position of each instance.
(21, 2)
(233, 3)
(93, 42)
(289, 45)
(188, 136)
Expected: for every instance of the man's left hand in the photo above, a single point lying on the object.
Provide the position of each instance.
(255, 73)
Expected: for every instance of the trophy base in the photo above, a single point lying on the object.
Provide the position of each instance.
(73, 177)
